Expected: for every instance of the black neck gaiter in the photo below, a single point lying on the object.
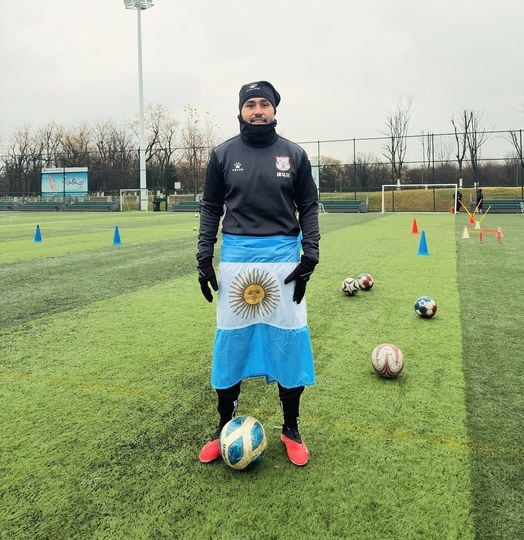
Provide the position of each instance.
(258, 135)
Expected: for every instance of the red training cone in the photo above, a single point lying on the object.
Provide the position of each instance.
(414, 227)
(471, 220)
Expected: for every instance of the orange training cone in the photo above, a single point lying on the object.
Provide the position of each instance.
(414, 227)
(471, 220)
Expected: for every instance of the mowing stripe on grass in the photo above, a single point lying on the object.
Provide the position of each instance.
(77, 263)
(88, 462)
(491, 282)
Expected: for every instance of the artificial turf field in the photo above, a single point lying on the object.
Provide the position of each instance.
(105, 396)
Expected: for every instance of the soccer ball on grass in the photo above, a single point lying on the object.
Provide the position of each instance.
(350, 286)
(387, 360)
(243, 442)
(365, 281)
(426, 307)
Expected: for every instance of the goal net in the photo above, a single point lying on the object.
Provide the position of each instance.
(419, 197)
(130, 199)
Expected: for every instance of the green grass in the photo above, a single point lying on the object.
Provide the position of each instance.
(491, 279)
(104, 385)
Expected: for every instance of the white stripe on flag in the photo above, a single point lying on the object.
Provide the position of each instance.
(251, 293)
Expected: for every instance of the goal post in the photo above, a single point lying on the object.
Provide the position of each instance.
(130, 199)
(419, 197)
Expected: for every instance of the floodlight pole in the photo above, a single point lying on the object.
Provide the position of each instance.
(139, 5)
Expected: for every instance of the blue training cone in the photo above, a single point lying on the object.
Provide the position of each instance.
(423, 246)
(116, 237)
(38, 235)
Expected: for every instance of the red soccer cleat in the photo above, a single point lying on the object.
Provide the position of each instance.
(296, 449)
(210, 451)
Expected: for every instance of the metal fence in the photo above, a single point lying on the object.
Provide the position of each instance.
(341, 165)
(495, 159)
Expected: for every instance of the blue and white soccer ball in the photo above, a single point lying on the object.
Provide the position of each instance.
(243, 442)
(350, 286)
(426, 307)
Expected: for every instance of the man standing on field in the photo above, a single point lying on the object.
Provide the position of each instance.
(270, 247)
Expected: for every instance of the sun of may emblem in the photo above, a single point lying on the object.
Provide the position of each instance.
(253, 293)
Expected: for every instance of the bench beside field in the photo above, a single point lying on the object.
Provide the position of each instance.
(52, 206)
(501, 206)
(343, 206)
(185, 206)
(93, 206)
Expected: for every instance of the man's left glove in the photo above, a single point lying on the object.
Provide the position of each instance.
(300, 276)
(207, 276)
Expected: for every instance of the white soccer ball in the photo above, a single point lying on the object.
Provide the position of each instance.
(243, 442)
(387, 360)
(350, 286)
(365, 281)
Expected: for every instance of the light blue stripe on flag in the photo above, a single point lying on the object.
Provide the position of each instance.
(260, 330)
(260, 248)
(263, 350)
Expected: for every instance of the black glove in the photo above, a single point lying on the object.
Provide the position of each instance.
(206, 276)
(300, 276)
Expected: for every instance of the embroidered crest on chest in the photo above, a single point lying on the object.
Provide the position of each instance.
(283, 163)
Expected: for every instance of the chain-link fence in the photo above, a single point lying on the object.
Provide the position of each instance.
(489, 158)
(343, 166)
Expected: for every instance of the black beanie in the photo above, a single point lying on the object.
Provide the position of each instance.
(260, 89)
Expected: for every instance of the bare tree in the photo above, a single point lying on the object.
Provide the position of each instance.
(370, 171)
(75, 147)
(198, 138)
(165, 127)
(515, 137)
(22, 163)
(461, 128)
(50, 138)
(397, 126)
(476, 138)
(470, 135)
(427, 152)
(113, 159)
(443, 151)
(331, 174)
(161, 134)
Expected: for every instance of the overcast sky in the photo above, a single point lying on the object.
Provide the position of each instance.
(340, 65)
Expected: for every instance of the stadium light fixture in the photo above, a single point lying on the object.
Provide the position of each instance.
(140, 5)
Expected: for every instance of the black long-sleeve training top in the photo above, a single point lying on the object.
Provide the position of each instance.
(265, 191)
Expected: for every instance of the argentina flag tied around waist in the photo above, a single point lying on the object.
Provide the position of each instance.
(260, 330)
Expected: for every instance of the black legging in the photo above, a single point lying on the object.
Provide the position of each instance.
(289, 397)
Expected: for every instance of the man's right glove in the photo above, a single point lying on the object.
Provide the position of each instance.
(300, 276)
(207, 276)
